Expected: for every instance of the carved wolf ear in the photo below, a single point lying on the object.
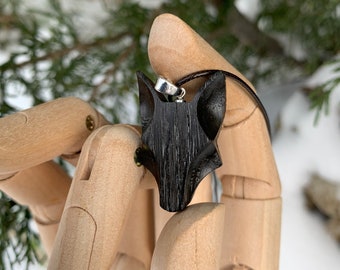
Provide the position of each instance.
(211, 105)
(146, 98)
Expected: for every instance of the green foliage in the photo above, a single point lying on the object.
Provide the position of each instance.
(319, 99)
(48, 56)
(18, 243)
(58, 62)
(320, 95)
(314, 24)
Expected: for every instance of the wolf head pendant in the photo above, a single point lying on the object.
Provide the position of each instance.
(179, 138)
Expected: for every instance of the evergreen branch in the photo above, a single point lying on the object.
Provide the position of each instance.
(82, 47)
(250, 35)
(319, 98)
(111, 71)
(247, 33)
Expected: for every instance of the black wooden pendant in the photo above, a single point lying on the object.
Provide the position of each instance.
(179, 138)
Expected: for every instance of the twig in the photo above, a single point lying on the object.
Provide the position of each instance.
(78, 46)
(109, 73)
(248, 34)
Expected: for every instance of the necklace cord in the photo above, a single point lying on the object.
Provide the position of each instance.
(246, 87)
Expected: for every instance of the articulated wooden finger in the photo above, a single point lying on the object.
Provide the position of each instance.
(176, 50)
(41, 133)
(138, 240)
(248, 170)
(247, 153)
(252, 234)
(191, 239)
(99, 201)
(43, 189)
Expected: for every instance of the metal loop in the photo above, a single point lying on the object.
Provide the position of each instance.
(167, 88)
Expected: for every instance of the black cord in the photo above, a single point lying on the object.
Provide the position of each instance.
(248, 89)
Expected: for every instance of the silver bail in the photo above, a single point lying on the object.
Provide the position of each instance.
(165, 87)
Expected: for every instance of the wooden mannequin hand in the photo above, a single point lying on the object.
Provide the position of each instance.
(29, 141)
(36, 135)
(107, 213)
(33, 137)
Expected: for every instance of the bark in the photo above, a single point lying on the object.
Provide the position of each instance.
(246, 31)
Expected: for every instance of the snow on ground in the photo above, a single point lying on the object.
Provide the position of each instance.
(302, 148)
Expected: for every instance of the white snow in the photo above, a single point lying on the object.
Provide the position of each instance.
(250, 8)
(302, 148)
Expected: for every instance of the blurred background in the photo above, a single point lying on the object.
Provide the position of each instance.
(92, 48)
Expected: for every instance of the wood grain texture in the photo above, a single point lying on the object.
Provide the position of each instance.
(251, 234)
(249, 174)
(43, 188)
(191, 239)
(176, 50)
(104, 194)
(179, 139)
(101, 196)
(41, 133)
(202, 194)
